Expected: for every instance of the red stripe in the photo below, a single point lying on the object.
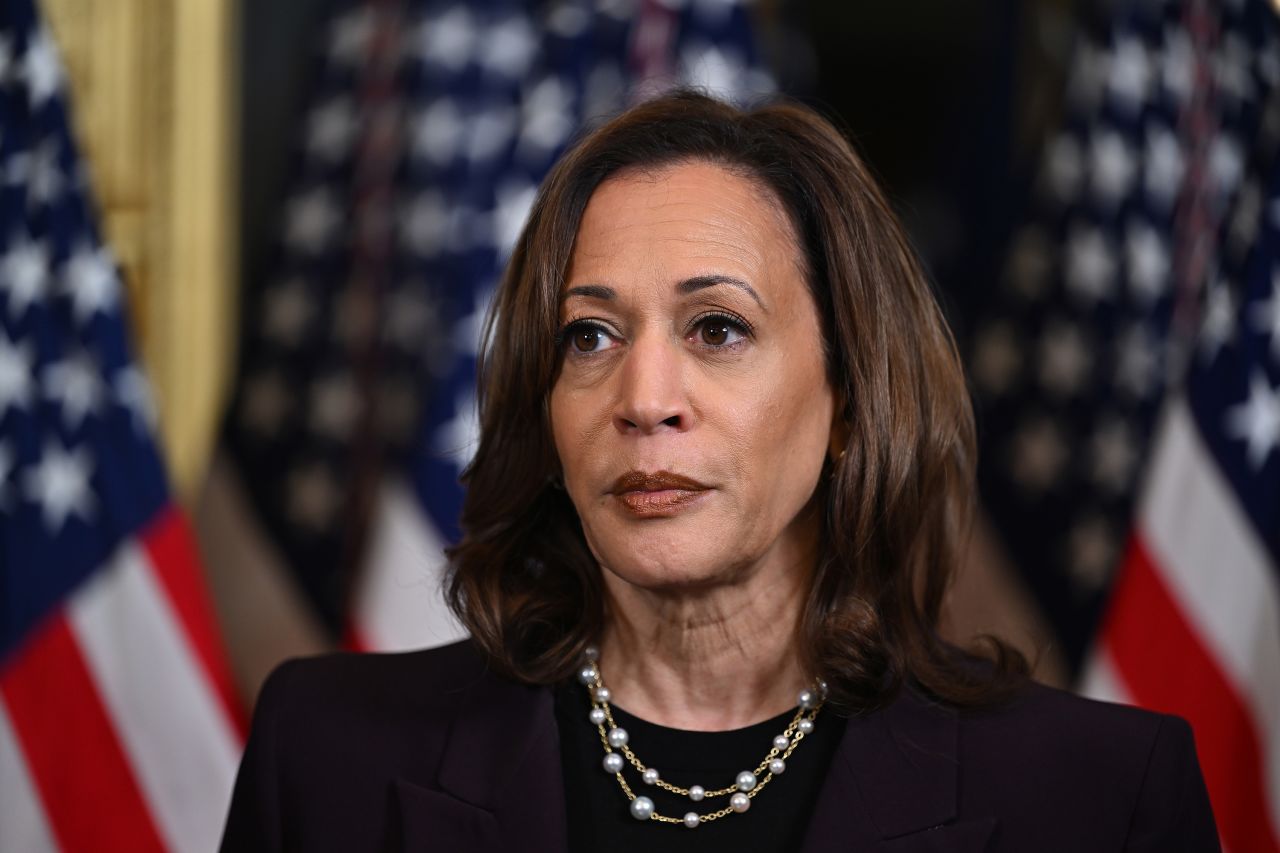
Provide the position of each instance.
(1166, 668)
(90, 796)
(171, 550)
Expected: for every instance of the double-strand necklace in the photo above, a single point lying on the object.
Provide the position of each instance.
(746, 786)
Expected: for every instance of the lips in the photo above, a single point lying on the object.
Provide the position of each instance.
(656, 494)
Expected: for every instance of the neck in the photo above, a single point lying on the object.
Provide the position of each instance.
(711, 659)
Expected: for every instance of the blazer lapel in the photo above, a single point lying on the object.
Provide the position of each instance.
(892, 786)
(500, 782)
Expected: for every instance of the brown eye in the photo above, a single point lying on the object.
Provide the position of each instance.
(720, 331)
(715, 332)
(587, 340)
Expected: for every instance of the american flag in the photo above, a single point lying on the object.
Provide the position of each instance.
(1092, 319)
(432, 124)
(1193, 625)
(118, 724)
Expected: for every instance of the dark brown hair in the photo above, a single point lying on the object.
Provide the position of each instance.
(897, 502)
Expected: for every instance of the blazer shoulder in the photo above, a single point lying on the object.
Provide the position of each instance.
(351, 687)
(1132, 770)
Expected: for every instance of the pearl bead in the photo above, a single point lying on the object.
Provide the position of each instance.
(642, 808)
(739, 803)
(618, 738)
(807, 699)
(746, 781)
(612, 762)
(602, 694)
(780, 743)
(692, 820)
(650, 776)
(596, 716)
(591, 653)
(587, 674)
(805, 726)
(697, 792)
(777, 766)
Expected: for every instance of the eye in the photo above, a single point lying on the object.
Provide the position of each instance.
(585, 337)
(720, 330)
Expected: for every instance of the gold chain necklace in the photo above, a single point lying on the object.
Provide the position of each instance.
(746, 786)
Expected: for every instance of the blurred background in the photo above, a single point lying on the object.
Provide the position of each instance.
(245, 253)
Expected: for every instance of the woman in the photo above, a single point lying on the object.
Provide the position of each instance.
(724, 474)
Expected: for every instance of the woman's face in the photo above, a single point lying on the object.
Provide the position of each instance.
(692, 411)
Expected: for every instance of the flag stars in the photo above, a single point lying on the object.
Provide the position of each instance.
(1265, 316)
(449, 39)
(59, 483)
(1030, 263)
(312, 219)
(1112, 166)
(1256, 421)
(458, 437)
(314, 496)
(715, 69)
(1218, 326)
(15, 374)
(265, 404)
(43, 174)
(24, 273)
(350, 35)
(509, 47)
(75, 384)
(331, 130)
(547, 116)
(996, 359)
(40, 68)
(1113, 455)
(1093, 550)
(424, 224)
(1147, 262)
(1064, 166)
(91, 281)
(1130, 74)
(1226, 164)
(438, 132)
(1177, 64)
(335, 405)
(287, 311)
(1163, 166)
(515, 200)
(1064, 360)
(1137, 363)
(1091, 265)
(133, 391)
(1038, 455)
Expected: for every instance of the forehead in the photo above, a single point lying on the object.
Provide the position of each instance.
(688, 218)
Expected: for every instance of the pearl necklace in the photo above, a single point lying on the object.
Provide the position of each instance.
(745, 787)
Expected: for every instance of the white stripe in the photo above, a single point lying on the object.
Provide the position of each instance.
(400, 604)
(173, 728)
(1218, 572)
(22, 821)
(1101, 680)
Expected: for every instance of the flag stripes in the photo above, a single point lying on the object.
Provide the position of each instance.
(61, 725)
(155, 690)
(24, 822)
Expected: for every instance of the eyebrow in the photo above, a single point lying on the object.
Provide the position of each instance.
(689, 285)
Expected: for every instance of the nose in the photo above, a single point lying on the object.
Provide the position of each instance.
(652, 396)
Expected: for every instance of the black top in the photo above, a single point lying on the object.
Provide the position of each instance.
(598, 811)
(433, 751)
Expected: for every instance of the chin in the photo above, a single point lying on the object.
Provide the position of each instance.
(680, 557)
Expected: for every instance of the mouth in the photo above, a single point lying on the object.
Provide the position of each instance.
(658, 494)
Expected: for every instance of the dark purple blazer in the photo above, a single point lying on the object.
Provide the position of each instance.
(428, 751)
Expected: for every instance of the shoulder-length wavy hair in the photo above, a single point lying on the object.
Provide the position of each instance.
(898, 500)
